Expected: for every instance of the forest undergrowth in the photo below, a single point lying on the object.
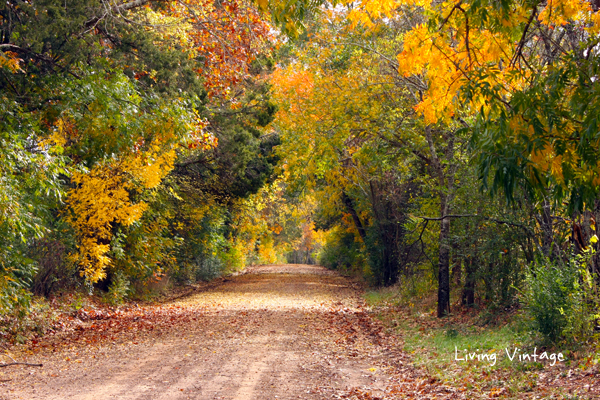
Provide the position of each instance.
(441, 347)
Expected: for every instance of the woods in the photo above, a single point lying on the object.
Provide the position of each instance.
(456, 143)
(131, 142)
(447, 148)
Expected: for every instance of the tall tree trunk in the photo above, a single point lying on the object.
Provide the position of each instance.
(468, 293)
(547, 231)
(444, 262)
(390, 234)
(445, 177)
(350, 207)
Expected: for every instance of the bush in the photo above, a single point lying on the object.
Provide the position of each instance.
(118, 289)
(54, 272)
(15, 278)
(22, 323)
(234, 258)
(343, 253)
(560, 300)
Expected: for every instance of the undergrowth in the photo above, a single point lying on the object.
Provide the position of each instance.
(442, 346)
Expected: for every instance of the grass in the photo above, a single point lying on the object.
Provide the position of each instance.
(436, 343)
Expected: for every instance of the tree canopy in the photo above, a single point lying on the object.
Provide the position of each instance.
(453, 143)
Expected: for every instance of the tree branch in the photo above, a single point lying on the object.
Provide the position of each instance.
(21, 363)
(118, 9)
(10, 46)
(499, 221)
(521, 44)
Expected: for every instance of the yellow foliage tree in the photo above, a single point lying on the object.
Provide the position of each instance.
(128, 152)
(102, 199)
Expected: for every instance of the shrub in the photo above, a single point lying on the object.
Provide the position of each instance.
(118, 289)
(343, 253)
(22, 322)
(560, 300)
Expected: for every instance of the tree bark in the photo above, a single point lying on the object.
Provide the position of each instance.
(468, 293)
(350, 207)
(444, 263)
(547, 231)
(445, 178)
(389, 217)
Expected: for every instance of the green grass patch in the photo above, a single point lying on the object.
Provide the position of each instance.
(468, 349)
(454, 343)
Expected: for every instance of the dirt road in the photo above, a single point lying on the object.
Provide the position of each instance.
(277, 332)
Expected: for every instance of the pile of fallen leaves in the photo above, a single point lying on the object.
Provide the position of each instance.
(90, 318)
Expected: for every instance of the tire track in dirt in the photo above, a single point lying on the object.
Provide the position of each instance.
(276, 332)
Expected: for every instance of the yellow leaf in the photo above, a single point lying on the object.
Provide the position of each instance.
(262, 4)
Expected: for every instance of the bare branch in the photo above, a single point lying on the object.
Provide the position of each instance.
(499, 221)
(12, 46)
(21, 363)
(519, 49)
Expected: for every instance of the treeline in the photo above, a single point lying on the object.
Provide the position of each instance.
(443, 146)
(454, 146)
(132, 145)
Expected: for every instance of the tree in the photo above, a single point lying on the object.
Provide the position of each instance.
(335, 117)
(108, 99)
(481, 65)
